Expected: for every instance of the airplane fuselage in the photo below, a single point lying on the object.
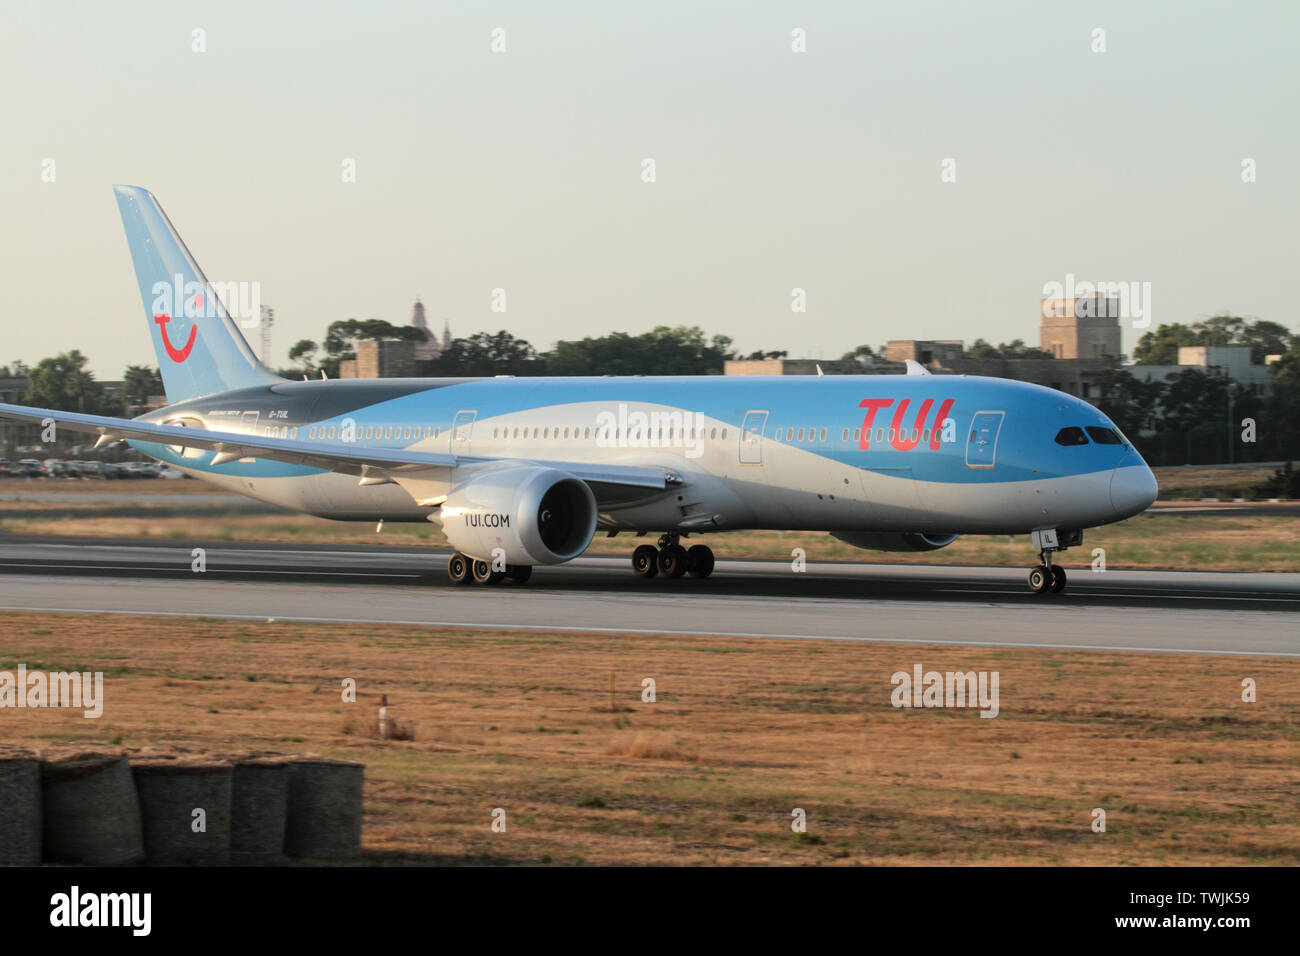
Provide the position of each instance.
(873, 453)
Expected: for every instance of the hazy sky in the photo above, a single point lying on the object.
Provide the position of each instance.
(523, 170)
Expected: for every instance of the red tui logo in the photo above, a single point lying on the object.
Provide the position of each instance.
(175, 354)
(904, 439)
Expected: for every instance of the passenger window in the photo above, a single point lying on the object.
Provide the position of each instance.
(801, 434)
(1103, 436)
(1071, 436)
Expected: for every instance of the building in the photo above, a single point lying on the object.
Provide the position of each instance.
(381, 358)
(431, 348)
(1233, 361)
(927, 353)
(1085, 327)
(14, 434)
(398, 359)
(781, 366)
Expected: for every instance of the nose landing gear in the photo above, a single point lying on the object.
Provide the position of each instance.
(1047, 577)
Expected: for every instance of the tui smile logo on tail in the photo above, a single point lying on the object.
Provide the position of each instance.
(175, 354)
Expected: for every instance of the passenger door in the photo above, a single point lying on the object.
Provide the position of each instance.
(982, 443)
(462, 428)
(751, 437)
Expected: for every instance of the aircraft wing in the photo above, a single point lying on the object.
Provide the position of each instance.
(372, 465)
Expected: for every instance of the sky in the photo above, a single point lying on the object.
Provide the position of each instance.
(775, 170)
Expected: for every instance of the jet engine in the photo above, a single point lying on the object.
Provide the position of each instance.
(895, 541)
(534, 515)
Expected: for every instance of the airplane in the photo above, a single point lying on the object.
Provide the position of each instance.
(519, 472)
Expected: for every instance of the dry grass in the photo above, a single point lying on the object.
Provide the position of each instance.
(742, 732)
(1222, 542)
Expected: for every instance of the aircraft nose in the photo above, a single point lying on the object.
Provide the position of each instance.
(1132, 486)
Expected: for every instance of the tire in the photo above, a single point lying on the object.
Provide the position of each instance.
(518, 573)
(1040, 579)
(645, 561)
(1058, 579)
(483, 573)
(672, 561)
(458, 569)
(700, 560)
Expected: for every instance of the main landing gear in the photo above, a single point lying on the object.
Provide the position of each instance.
(1049, 578)
(463, 569)
(672, 560)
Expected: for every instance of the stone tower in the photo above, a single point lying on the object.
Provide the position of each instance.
(428, 349)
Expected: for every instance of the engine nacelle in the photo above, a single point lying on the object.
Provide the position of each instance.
(895, 541)
(534, 515)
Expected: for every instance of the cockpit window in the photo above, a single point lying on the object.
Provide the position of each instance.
(1071, 436)
(1103, 436)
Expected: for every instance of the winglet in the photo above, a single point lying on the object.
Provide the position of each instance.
(916, 368)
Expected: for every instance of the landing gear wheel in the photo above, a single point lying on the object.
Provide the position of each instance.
(673, 561)
(1058, 579)
(518, 573)
(483, 573)
(1040, 579)
(645, 561)
(700, 560)
(458, 569)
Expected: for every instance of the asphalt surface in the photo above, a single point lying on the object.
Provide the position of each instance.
(1189, 612)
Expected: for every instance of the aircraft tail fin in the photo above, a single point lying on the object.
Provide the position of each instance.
(199, 346)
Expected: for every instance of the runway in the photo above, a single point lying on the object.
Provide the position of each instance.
(1223, 613)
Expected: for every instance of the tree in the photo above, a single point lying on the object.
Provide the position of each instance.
(1131, 404)
(862, 351)
(484, 354)
(662, 351)
(1160, 346)
(1266, 338)
(138, 384)
(16, 369)
(1015, 349)
(760, 355)
(1279, 421)
(304, 353)
(1194, 419)
(64, 384)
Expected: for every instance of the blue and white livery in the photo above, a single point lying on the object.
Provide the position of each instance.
(525, 471)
